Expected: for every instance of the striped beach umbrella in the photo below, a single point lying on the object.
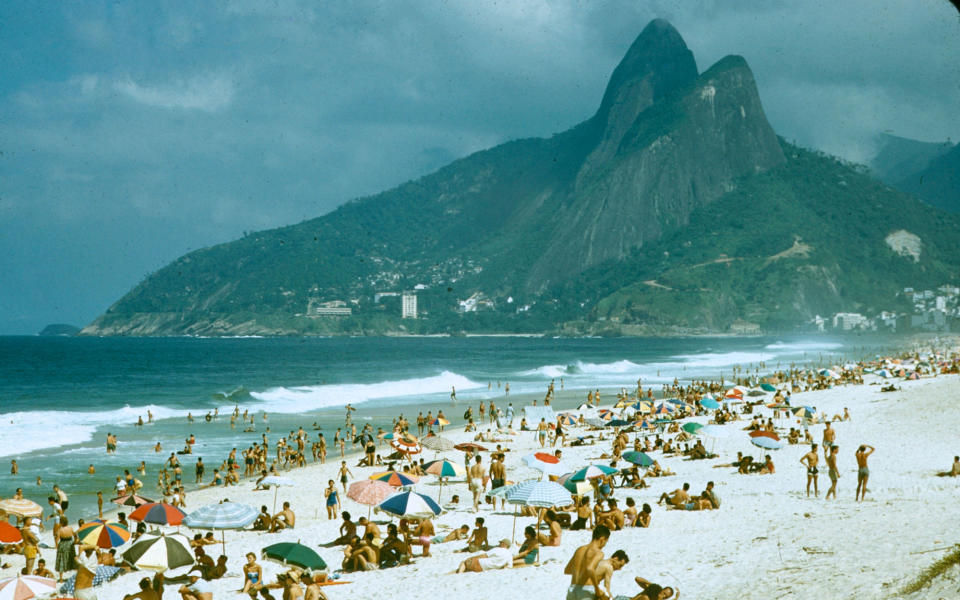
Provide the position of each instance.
(437, 443)
(637, 458)
(645, 425)
(103, 534)
(395, 478)
(642, 406)
(444, 468)
(580, 488)
(592, 472)
(408, 444)
(762, 433)
(24, 587)
(805, 412)
(542, 494)
(131, 500)
(21, 508)
(439, 422)
(567, 420)
(504, 489)
(605, 414)
(222, 516)
(296, 554)
(159, 513)
(546, 463)
(159, 552)
(410, 504)
(665, 408)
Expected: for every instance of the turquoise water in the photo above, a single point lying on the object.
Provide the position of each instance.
(60, 396)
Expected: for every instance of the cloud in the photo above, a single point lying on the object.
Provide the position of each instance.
(206, 93)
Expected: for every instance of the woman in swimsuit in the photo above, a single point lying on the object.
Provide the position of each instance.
(333, 500)
(583, 515)
(529, 549)
(253, 574)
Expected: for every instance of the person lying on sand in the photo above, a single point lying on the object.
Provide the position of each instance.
(651, 591)
(495, 558)
(460, 533)
(954, 471)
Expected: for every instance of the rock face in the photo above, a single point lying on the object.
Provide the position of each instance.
(510, 222)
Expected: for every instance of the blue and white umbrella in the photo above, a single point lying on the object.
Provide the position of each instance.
(410, 504)
(543, 494)
(104, 574)
(226, 515)
(767, 443)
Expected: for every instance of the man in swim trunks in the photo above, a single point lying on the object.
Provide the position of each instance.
(607, 566)
(582, 567)
(863, 472)
(832, 472)
(810, 460)
(476, 476)
(829, 436)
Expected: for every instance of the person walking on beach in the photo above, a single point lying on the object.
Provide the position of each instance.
(863, 472)
(476, 481)
(810, 460)
(344, 471)
(582, 567)
(832, 472)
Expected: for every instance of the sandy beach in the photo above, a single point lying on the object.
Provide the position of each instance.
(767, 540)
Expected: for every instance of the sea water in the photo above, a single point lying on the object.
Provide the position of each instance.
(59, 397)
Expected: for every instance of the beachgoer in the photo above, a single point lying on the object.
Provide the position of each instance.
(476, 481)
(607, 566)
(582, 567)
(333, 500)
(529, 549)
(863, 472)
(810, 460)
(495, 558)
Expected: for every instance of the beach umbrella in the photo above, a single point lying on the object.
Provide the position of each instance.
(444, 468)
(676, 401)
(617, 423)
(691, 427)
(714, 431)
(645, 425)
(158, 513)
(605, 414)
(370, 492)
(103, 534)
(9, 534)
(394, 478)
(103, 574)
(913, 376)
(567, 420)
(131, 500)
(159, 552)
(805, 412)
(580, 488)
(21, 508)
(439, 422)
(734, 393)
(277, 482)
(407, 444)
(665, 408)
(637, 458)
(296, 554)
(767, 387)
(767, 443)
(755, 393)
(592, 472)
(776, 405)
(24, 587)
(763, 433)
(541, 494)
(545, 463)
(470, 447)
(505, 489)
(410, 504)
(709, 403)
(642, 406)
(222, 516)
(437, 443)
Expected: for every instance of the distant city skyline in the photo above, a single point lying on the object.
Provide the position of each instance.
(133, 133)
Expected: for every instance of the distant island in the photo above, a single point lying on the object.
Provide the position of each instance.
(59, 329)
(674, 209)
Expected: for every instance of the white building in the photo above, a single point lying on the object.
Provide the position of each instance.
(848, 321)
(408, 305)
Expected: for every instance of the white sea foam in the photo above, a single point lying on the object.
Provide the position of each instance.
(25, 431)
(804, 346)
(586, 369)
(314, 397)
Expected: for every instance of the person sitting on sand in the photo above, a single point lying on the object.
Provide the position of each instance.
(348, 530)
(370, 528)
(197, 589)
(550, 518)
(42, 570)
(677, 498)
(394, 551)
(630, 515)
(314, 591)
(285, 519)
(252, 574)
(612, 518)
(954, 470)
(263, 520)
(358, 557)
(643, 517)
(478, 539)
(495, 558)
(146, 591)
(584, 515)
(529, 549)
(768, 468)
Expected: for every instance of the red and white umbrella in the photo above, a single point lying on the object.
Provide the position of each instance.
(25, 587)
(407, 444)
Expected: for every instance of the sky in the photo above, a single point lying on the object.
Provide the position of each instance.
(134, 132)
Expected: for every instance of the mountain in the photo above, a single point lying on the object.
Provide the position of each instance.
(938, 183)
(674, 207)
(898, 158)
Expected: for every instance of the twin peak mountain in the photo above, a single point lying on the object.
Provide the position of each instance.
(547, 230)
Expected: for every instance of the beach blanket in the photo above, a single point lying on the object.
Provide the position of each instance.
(104, 574)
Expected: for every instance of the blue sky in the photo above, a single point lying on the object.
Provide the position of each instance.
(132, 132)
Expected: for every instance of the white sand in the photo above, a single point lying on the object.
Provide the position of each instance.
(768, 540)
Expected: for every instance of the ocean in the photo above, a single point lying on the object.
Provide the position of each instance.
(59, 397)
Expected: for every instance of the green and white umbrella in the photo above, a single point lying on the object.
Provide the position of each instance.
(159, 552)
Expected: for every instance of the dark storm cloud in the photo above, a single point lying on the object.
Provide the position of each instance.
(132, 133)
